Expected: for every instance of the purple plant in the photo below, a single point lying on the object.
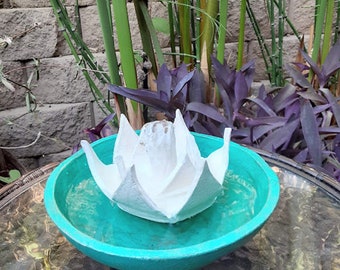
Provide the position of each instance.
(101, 130)
(296, 121)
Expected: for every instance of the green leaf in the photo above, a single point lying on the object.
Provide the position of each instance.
(13, 175)
(161, 25)
(7, 84)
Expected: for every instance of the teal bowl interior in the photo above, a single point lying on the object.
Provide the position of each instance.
(102, 231)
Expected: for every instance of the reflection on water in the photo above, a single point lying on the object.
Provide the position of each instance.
(302, 233)
(92, 213)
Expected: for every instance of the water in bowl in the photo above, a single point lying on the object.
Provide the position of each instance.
(93, 214)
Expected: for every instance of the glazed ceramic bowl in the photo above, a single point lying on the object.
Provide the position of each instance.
(102, 231)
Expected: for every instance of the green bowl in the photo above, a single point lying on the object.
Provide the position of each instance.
(99, 229)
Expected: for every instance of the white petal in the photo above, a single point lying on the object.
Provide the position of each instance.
(202, 197)
(131, 198)
(106, 176)
(218, 160)
(126, 141)
(181, 183)
(155, 155)
(185, 142)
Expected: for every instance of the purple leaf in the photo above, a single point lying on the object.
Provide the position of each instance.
(329, 130)
(311, 94)
(146, 97)
(336, 147)
(332, 61)
(183, 82)
(279, 137)
(313, 65)
(197, 88)
(284, 94)
(241, 90)
(298, 77)
(301, 157)
(310, 132)
(248, 70)
(334, 104)
(163, 81)
(101, 129)
(206, 110)
(262, 105)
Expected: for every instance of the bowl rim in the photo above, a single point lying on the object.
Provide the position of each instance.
(80, 238)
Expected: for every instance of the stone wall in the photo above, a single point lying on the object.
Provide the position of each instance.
(63, 97)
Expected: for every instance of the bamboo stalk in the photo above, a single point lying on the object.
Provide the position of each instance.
(106, 26)
(105, 18)
(260, 39)
(184, 28)
(279, 67)
(154, 44)
(172, 32)
(240, 46)
(73, 39)
(337, 23)
(222, 30)
(273, 56)
(198, 18)
(319, 22)
(326, 45)
(127, 59)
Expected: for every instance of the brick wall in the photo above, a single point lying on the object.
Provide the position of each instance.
(64, 99)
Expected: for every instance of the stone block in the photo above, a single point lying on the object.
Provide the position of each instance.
(34, 33)
(62, 81)
(29, 3)
(61, 127)
(58, 157)
(301, 14)
(230, 54)
(12, 99)
(233, 22)
(81, 2)
(92, 30)
(290, 49)
(62, 47)
(46, 3)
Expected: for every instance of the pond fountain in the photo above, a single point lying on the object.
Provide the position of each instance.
(205, 197)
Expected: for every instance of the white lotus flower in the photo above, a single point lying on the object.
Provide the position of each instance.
(160, 174)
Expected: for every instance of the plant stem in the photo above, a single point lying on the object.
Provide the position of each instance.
(105, 18)
(260, 39)
(222, 30)
(279, 67)
(172, 32)
(106, 26)
(240, 46)
(198, 18)
(73, 39)
(184, 28)
(127, 58)
(273, 56)
(319, 21)
(328, 30)
(337, 23)
(152, 42)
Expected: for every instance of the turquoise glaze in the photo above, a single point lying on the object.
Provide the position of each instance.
(102, 231)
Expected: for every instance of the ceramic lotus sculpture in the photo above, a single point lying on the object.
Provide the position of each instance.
(160, 175)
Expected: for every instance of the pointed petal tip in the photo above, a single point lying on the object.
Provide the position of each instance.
(227, 134)
(123, 119)
(178, 114)
(85, 144)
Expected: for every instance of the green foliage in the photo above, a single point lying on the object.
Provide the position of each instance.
(161, 25)
(13, 175)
